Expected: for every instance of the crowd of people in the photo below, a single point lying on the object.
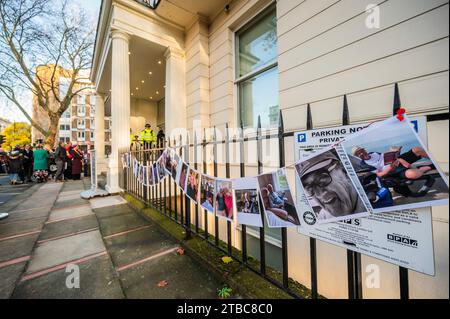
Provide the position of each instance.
(39, 163)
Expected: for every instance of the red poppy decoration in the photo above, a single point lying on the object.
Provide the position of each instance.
(401, 111)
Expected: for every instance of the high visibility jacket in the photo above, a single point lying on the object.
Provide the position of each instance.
(147, 136)
(131, 138)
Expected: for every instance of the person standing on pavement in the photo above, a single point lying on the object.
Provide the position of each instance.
(27, 154)
(147, 137)
(40, 159)
(77, 157)
(60, 159)
(68, 163)
(15, 165)
(160, 138)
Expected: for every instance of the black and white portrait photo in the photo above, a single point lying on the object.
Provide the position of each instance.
(329, 190)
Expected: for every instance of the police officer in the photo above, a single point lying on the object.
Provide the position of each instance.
(147, 137)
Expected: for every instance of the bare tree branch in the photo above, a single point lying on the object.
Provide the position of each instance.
(41, 43)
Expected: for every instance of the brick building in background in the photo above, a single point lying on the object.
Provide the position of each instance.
(77, 122)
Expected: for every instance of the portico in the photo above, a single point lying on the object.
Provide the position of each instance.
(138, 61)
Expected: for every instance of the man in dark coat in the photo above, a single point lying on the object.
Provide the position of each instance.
(27, 154)
(15, 165)
(60, 158)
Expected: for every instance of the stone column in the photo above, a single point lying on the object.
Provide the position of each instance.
(120, 106)
(175, 103)
(99, 133)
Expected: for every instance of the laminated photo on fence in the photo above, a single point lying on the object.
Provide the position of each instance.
(277, 200)
(136, 166)
(155, 174)
(330, 190)
(224, 199)
(395, 168)
(247, 201)
(193, 184)
(173, 162)
(207, 192)
(141, 178)
(160, 168)
(182, 176)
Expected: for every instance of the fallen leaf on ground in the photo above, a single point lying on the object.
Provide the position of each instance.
(227, 259)
(162, 283)
(180, 251)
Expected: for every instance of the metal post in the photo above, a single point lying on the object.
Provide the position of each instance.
(312, 241)
(175, 190)
(205, 171)
(262, 240)
(181, 191)
(354, 275)
(242, 173)
(196, 168)
(284, 243)
(227, 175)
(216, 219)
(187, 200)
(403, 272)
(169, 184)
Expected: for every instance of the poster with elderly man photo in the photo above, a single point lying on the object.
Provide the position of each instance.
(394, 167)
(277, 200)
(329, 188)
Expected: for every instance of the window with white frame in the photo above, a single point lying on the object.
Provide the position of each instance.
(80, 136)
(92, 99)
(81, 110)
(92, 136)
(81, 123)
(81, 99)
(257, 70)
(92, 111)
(66, 113)
(92, 124)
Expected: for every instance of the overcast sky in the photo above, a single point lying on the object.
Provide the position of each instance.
(10, 111)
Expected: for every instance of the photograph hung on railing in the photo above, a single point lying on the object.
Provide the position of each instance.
(247, 209)
(277, 200)
(382, 168)
(390, 155)
(401, 237)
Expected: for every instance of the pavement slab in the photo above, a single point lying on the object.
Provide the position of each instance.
(17, 247)
(64, 197)
(70, 203)
(113, 211)
(185, 279)
(8, 278)
(137, 245)
(107, 201)
(19, 215)
(67, 227)
(8, 228)
(98, 280)
(120, 223)
(69, 212)
(60, 251)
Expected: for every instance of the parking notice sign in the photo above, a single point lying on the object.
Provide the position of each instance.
(403, 238)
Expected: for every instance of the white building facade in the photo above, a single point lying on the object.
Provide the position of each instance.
(190, 65)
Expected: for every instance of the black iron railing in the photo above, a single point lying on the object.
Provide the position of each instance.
(170, 201)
